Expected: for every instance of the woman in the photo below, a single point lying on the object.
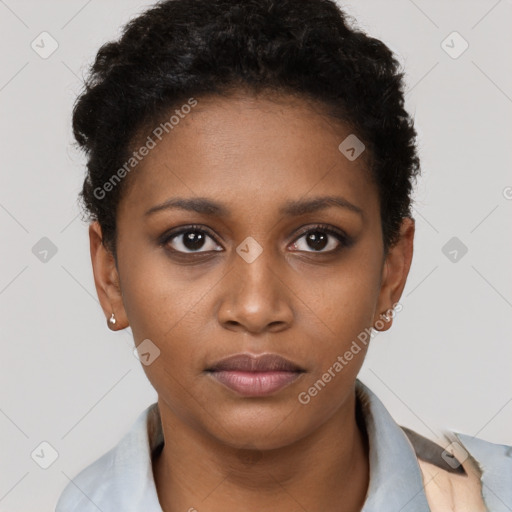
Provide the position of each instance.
(250, 169)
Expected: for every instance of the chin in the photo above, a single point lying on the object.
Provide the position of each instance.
(258, 429)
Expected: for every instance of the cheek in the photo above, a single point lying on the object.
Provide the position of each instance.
(161, 306)
(164, 310)
(341, 302)
(157, 295)
(341, 333)
(344, 305)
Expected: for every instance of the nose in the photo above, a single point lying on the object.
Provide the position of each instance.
(255, 298)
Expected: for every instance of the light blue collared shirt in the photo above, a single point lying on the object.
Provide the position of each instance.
(122, 480)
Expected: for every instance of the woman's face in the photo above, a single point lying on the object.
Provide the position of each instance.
(251, 273)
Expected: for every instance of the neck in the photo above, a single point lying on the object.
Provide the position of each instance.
(327, 470)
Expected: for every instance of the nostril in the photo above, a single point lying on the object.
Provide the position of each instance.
(276, 325)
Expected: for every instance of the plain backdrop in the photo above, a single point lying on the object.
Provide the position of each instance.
(68, 381)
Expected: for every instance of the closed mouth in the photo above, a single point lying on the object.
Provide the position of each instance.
(255, 363)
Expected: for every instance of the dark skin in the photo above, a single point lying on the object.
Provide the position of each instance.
(200, 304)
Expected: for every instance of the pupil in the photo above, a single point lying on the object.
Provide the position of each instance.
(193, 240)
(318, 240)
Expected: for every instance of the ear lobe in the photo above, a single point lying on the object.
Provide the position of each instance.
(396, 269)
(106, 279)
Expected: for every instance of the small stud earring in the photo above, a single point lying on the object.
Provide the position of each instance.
(385, 316)
(112, 319)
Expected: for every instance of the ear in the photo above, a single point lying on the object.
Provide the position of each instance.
(395, 271)
(106, 279)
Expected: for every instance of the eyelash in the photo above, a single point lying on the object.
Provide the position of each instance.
(344, 240)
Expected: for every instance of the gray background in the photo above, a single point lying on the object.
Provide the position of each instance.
(69, 381)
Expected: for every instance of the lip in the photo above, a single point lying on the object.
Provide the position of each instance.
(251, 375)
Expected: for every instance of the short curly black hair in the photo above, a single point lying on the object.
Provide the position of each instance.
(178, 49)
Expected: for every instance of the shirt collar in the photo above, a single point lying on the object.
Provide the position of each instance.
(122, 479)
(396, 483)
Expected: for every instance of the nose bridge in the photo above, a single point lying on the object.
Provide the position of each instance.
(257, 275)
(255, 297)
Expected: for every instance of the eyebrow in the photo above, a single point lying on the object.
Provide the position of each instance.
(206, 206)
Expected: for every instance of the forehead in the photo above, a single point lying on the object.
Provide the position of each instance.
(262, 149)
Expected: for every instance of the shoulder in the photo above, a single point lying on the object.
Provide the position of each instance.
(490, 455)
(88, 487)
(449, 451)
(495, 464)
(122, 478)
(464, 470)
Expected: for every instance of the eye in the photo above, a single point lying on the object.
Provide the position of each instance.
(322, 239)
(190, 240)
